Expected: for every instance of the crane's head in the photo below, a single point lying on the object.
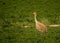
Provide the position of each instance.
(34, 13)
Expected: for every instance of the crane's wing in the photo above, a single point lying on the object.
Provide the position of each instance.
(41, 27)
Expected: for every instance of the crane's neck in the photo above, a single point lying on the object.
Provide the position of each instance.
(35, 18)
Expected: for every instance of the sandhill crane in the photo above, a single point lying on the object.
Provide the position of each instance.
(39, 26)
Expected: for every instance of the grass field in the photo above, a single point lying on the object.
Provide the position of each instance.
(14, 14)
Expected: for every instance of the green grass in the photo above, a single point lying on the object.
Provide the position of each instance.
(14, 14)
